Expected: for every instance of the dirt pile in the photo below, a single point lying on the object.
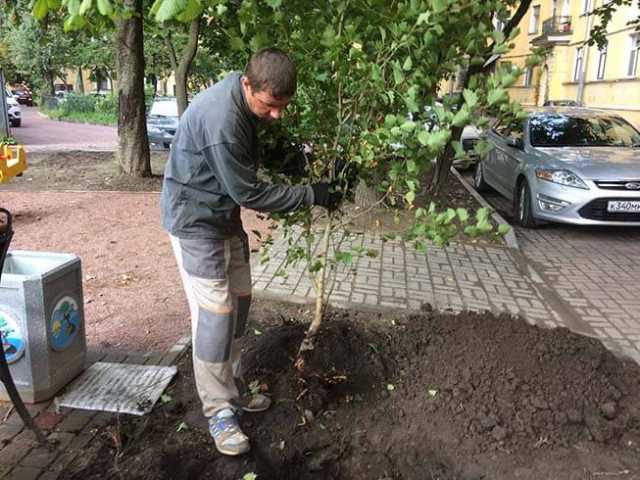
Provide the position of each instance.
(434, 396)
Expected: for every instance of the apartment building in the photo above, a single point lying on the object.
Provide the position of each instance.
(607, 78)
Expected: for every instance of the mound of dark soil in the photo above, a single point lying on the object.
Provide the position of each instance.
(434, 396)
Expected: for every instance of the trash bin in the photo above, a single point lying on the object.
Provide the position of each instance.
(42, 320)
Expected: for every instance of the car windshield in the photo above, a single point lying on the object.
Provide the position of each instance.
(561, 130)
(165, 108)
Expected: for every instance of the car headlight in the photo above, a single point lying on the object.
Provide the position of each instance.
(562, 177)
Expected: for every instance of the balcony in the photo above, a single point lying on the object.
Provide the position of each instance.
(555, 30)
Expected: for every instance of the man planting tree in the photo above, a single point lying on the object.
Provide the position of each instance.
(211, 173)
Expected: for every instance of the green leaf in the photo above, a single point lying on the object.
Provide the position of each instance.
(221, 9)
(390, 387)
(398, 78)
(411, 166)
(274, 4)
(439, 5)
(470, 97)
(423, 18)
(73, 6)
(408, 64)
(181, 426)
(461, 118)
(408, 126)
(497, 96)
(435, 140)
(498, 36)
(154, 8)
(250, 476)
(482, 148)
(191, 12)
(165, 398)
(410, 197)
(449, 215)
(457, 146)
(85, 6)
(236, 43)
(257, 332)
(74, 23)
(344, 257)
(372, 253)
(390, 120)
(503, 229)
(463, 214)
(40, 9)
(105, 8)
(423, 137)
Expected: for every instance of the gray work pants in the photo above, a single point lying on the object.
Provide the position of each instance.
(217, 280)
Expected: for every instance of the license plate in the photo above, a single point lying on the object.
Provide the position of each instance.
(623, 206)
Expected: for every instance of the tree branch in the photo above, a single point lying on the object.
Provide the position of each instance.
(172, 52)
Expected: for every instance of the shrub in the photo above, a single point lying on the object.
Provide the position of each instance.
(107, 105)
(78, 103)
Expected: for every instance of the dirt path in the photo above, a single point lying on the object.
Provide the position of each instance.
(133, 297)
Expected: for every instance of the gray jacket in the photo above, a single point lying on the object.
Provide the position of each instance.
(212, 168)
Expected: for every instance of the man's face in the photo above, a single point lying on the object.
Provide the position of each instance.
(264, 105)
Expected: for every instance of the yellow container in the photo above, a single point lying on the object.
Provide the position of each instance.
(13, 161)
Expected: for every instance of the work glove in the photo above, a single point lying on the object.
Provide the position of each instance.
(346, 175)
(325, 195)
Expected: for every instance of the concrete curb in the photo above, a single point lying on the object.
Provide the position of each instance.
(510, 237)
(175, 353)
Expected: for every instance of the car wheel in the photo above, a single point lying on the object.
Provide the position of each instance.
(524, 207)
(16, 123)
(166, 145)
(478, 179)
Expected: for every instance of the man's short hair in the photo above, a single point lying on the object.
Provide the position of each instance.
(272, 70)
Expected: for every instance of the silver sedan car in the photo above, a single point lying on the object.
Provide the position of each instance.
(570, 165)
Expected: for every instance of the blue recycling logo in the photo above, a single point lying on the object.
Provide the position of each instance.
(13, 343)
(65, 323)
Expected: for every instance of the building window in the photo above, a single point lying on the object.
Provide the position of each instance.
(602, 62)
(534, 19)
(577, 69)
(528, 77)
(586, 7)
(633, 55)
(506, 67)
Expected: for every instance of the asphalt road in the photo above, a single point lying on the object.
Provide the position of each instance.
(40, 133)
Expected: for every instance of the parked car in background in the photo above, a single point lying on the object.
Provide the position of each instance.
(13, 110)
(560, 103)
(23, 95)
(162, 121)
(570, 165)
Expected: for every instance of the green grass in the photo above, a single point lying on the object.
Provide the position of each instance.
(94, 118)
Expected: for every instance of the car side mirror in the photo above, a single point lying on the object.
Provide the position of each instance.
(515, 142)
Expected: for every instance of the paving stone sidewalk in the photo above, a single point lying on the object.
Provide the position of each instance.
(458, 277)
(70, 430)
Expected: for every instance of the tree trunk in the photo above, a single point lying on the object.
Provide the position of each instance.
(444, 162)
(133, 144)
(49, 77)
(79, 81)
(181, 69)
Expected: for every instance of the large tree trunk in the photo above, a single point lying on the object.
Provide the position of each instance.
(133, 144)
(181, 69)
